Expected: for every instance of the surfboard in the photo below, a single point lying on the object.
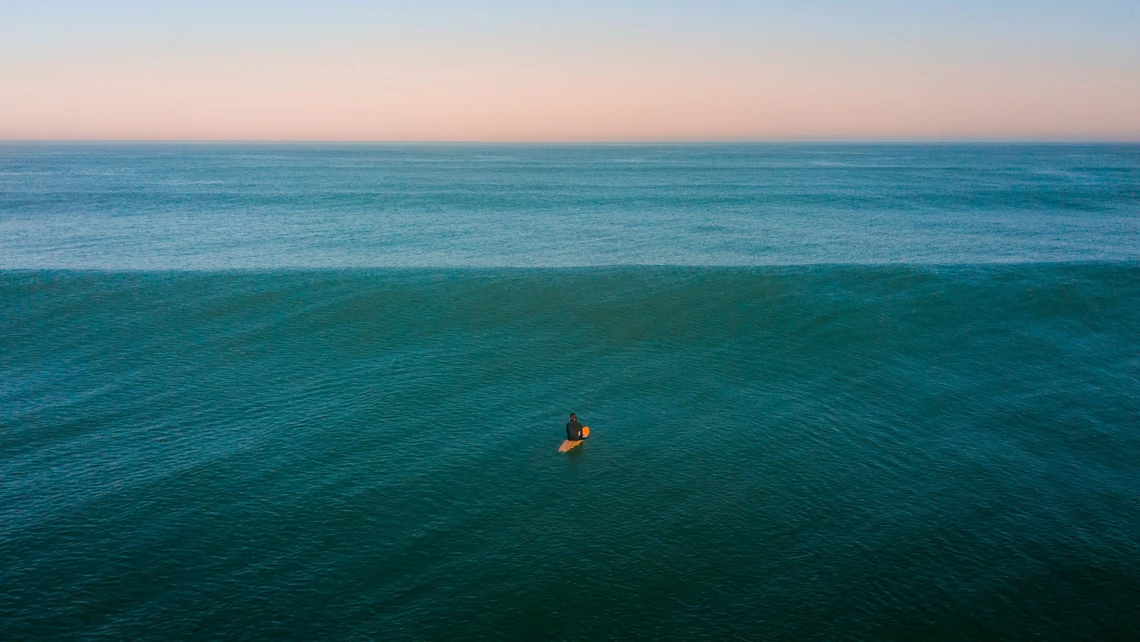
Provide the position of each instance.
(568, 444)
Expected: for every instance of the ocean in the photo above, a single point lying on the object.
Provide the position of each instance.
(867, 392)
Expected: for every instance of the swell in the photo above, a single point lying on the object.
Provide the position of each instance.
(766, 438)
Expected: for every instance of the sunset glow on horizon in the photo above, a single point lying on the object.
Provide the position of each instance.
(511, 71)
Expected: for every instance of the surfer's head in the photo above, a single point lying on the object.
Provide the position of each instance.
(573, 416)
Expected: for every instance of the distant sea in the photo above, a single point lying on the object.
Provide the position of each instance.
(867, 392)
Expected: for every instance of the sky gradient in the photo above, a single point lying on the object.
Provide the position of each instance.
(562, 71)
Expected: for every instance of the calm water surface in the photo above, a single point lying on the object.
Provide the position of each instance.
(177, 207)
(316, 392)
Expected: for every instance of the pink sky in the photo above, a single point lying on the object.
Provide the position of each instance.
(657, 86)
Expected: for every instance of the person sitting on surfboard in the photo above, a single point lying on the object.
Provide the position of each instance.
(574, 429)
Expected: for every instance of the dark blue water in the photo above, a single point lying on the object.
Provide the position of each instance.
(836, 392)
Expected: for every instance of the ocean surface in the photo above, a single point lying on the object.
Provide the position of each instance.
(867, 392)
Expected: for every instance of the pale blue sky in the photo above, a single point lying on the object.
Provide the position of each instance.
(1095, 24)
(1051, 52)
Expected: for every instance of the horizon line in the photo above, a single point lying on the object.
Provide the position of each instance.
(685, 141)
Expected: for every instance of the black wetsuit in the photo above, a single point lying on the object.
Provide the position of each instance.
(574, 431)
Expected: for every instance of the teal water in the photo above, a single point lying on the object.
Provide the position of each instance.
(932, 436)
(210, 207)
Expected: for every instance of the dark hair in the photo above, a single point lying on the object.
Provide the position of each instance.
(573, 415)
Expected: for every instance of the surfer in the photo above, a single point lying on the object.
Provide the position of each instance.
(574, 429)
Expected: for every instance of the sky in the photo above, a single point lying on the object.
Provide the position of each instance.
(670, 70)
